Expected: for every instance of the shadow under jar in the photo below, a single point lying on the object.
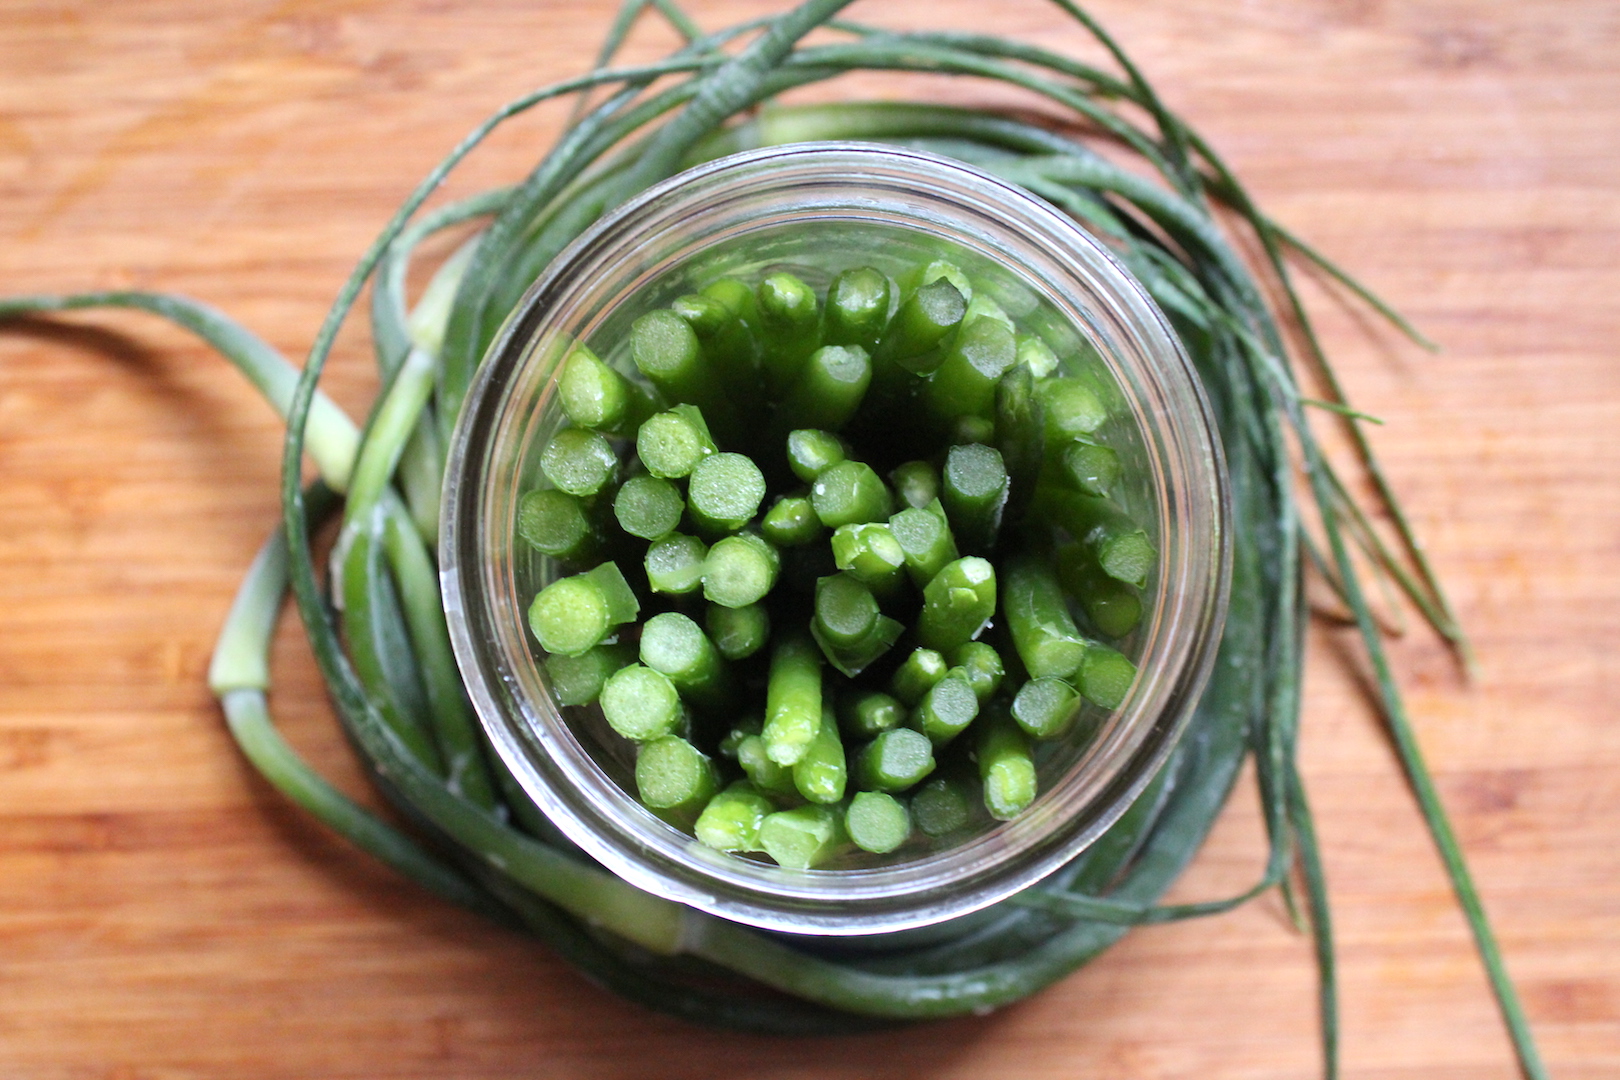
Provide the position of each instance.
(815, 210)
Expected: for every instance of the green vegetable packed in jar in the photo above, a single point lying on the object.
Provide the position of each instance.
(886, 483)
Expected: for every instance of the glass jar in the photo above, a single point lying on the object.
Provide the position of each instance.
(815, 208)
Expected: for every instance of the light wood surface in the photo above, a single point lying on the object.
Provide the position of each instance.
(163, 915)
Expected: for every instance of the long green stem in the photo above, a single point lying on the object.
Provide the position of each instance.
(450, 713)
(390, 319)
(385, 438)
(1428, 798)
(240, 677)
(1321, 925)
(1240, 199)
(332, 435)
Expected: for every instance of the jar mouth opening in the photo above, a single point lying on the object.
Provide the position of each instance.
(751, 203)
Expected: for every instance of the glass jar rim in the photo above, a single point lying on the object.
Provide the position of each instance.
(862, 180)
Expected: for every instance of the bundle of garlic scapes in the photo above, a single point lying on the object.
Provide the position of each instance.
(385, 651)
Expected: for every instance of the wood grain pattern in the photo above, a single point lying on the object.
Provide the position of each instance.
(162, 915)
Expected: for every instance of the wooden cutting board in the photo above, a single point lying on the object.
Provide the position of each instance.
(162, 914)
